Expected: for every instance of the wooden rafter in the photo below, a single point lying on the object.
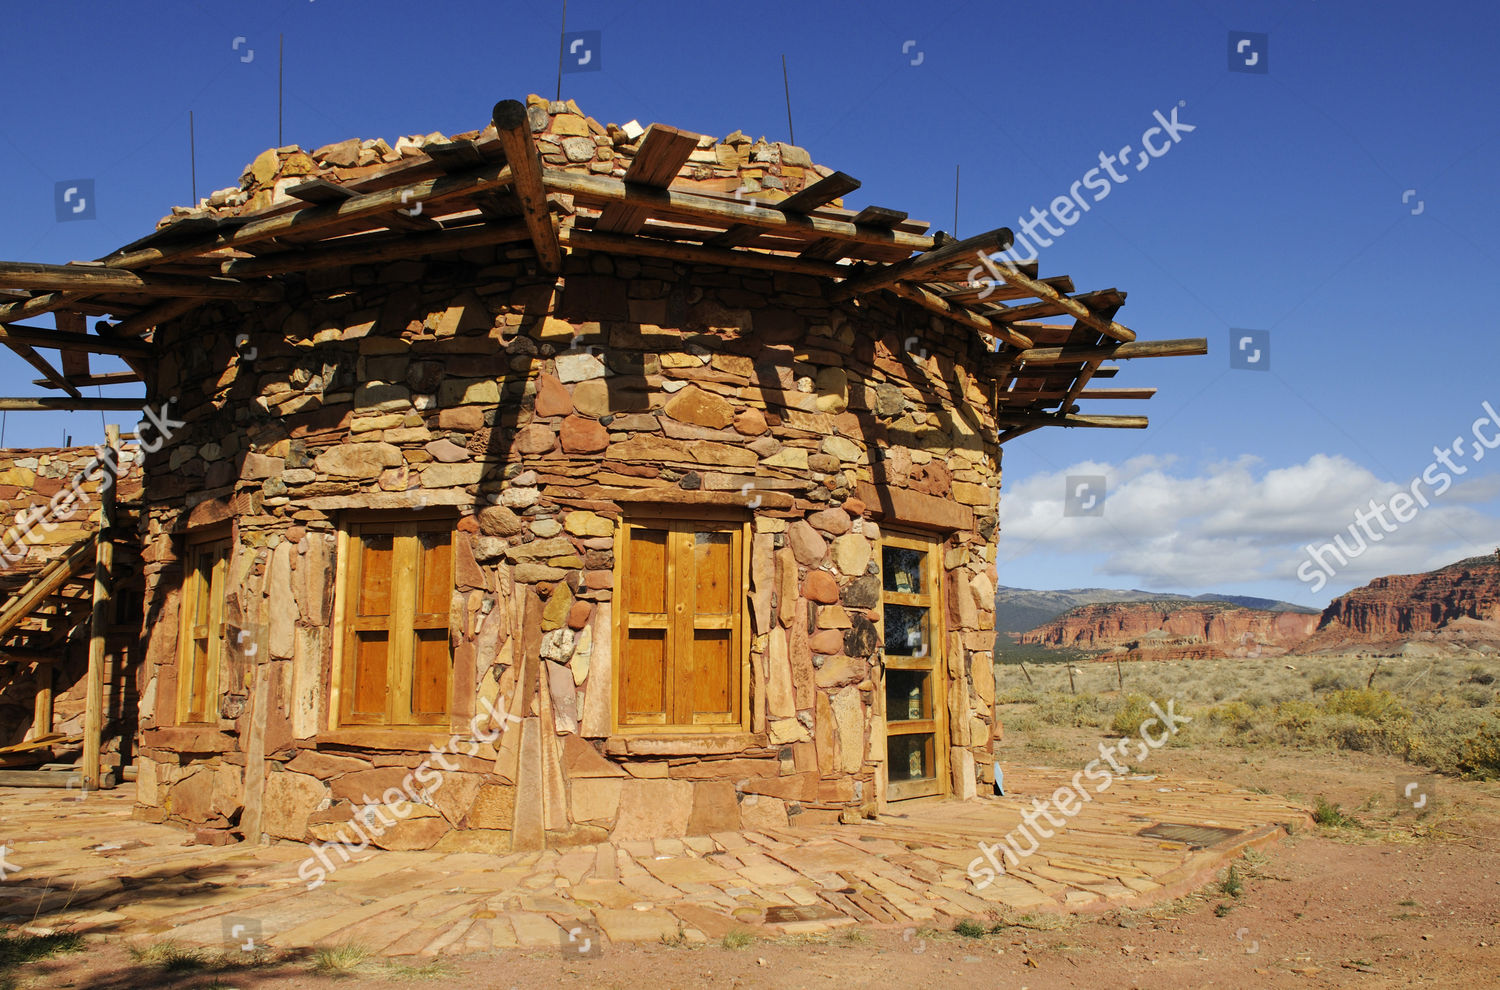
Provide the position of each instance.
(923, 265)
(388, 248)
(1042, 291)
(934, 303)
(1182, 347)
(62, 340)
(1010, 419)
(663, 151)
(820, 193)
(513, 127)
(58, 403)
(98, 279)
(620, 244)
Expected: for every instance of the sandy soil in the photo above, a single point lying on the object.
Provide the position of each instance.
(1407, 897)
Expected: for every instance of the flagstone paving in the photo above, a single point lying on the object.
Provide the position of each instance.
(89, 864)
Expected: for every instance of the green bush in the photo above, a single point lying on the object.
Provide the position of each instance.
(1479, 754)
(1372, 703)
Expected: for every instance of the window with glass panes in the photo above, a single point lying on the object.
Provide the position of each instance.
(915, 675)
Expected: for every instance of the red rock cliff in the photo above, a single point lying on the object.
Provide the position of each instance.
(1402, 607)
(1173, 630)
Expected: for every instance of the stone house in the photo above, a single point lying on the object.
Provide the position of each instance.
(563, 481)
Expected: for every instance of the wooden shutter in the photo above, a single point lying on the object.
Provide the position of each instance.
(397, 666)
(201, 632)
(681, 608)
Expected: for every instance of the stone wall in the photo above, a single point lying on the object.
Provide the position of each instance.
(540, 412)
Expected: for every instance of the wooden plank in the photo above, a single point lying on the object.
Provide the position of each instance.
(50, 375)
(694, 253)
(514, 130)
(69, 404)
(820, 193)
(97, 279)
(600, 189)
(988, 292)
(318, 190)
(662, 153)
(1091, 393)
(918, 268)
(35, 305)
(105, 378)
(312, 218)
(148, 319)
(386, 248)
(49, 778)
(93, 712)
(877, 217)
(75, 364)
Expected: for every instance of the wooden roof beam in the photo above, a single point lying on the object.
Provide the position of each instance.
(820, 193)
(102, 378)
(514, 130)
(1182, 347)
(661, 154)
(359, 252)
(915, 269)
(1046, 293)
(1073, 420)
(90, 279)
(62, 340)
(934, 303)
(586, 240)
(59, 404)
(695, 206)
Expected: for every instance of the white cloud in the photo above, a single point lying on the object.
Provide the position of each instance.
(1235, 522)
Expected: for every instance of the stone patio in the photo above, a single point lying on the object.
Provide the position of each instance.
(89, 864)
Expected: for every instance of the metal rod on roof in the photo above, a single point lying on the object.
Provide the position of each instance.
(280, 62)
(562, 42)
(786, 84)
(192, 159)
(956, 171)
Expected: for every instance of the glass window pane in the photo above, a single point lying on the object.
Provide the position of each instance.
(906, 631)
(903, 570)
(908, 695)
(909, 757)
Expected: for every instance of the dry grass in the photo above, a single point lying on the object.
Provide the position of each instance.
(1441, 713)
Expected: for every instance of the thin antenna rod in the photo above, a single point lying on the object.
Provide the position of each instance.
(280, 63)
(193, 159)
(786, 84)
(956, 170)
(3, 415)
(562, 41)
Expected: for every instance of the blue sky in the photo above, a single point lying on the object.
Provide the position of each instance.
(1286, 210)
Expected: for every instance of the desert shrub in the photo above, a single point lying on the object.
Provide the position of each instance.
(1331, 680)
(1371, 703)
(1479, 754)
(1133, 711)
(1237, 716)
(1079, 711)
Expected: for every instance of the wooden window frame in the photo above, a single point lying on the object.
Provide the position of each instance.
(681, 521)
(400, 665)
(198, 590)
(931, 598)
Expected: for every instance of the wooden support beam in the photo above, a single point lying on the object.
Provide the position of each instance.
(103, 378)
(586, 240)
(43, 337)
(1045, 292)
(916, 269)
(75, 364)
(386, 248)
(1182, 347)
(35, 306)
(602, 189)
(1096, 302)
(148, 319)
(41, 719)
(313, 218)
(60, 404)
(514, 130)
(988, 292)
(661, 154)
(934, 303)
(1052, 395)
(1073, 419)
(93, 712)
(820, 193)
(51, 377)
(96, 279)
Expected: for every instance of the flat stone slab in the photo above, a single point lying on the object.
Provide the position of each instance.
(92, 864)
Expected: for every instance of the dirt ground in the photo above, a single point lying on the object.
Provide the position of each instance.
(1401, 897)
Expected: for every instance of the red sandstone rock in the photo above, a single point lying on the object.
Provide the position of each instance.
(551, 398)
(1155, 629)
(822, 588)
(1405, 606)
(583, 436)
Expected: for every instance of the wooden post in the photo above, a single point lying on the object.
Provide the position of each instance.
(1071, 686)
(41, 723)
(1120, 675)
(93, 715)
(1371, 682)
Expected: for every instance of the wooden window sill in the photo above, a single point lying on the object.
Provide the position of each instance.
(684, 743)
(404, 739)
